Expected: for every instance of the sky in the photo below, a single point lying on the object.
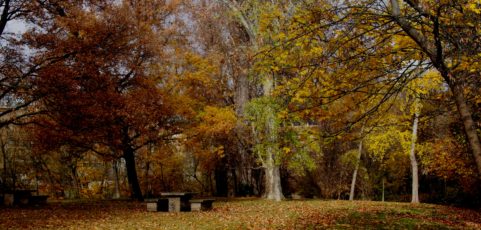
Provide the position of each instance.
(16, 26)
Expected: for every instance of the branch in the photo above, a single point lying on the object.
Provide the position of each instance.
(420, 39)
(243, 20)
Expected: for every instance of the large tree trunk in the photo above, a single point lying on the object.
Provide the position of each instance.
(273, 176)
(273, 180)
(241, 98)
(469, 126)
(132, 174)
(129, 156)
(412, 157)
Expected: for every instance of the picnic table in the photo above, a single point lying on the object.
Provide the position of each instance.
(178, 201)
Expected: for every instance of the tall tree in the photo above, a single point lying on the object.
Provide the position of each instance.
(449, 36)
(107, 96)
(249, 19)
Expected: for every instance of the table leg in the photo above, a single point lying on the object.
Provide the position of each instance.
(174, 204)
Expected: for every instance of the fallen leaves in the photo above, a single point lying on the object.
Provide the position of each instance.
(241, 214)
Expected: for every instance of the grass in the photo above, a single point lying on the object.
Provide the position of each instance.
(242, 214)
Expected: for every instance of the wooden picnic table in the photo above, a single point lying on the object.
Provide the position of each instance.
(178, 201)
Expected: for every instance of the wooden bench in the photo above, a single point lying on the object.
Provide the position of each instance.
(157, 204)
(201, 204)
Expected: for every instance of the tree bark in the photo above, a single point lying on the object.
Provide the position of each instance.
(354, 174)
(383, 179)
(4, 18)
(412, 157)
(273, 176)
(129, 156)
(469, 126)
(116, 180)
(273, 180)
(132, 174)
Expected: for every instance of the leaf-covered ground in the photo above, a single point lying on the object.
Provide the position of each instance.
(242, 214)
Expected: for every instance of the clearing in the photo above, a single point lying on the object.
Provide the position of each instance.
(242, 214)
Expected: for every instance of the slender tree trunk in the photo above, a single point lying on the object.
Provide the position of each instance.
(354, 174)
(383, 179)
(116, 180)
(5, 171)
(75, 181)
(412, 157)
(148, 187)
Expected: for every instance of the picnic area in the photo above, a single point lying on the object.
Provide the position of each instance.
(240, 114)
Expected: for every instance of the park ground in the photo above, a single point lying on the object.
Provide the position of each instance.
(242, 214)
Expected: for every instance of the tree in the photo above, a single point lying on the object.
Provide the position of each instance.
(108, 95)
(450, 40)
(250, 18)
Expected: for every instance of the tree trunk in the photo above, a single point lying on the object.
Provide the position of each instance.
(75, 181)
(132, 174)
(383, 179)
(412, 157)
(5, 16)
(354, 174)
(116, 180)
(273, 180)
(273, 176)
(469, 126)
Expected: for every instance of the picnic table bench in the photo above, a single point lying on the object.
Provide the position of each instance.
(24, 197)
(201, 204)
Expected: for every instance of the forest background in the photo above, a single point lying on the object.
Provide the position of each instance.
(360, 99)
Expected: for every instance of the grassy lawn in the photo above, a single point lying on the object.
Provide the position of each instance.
(242, 214)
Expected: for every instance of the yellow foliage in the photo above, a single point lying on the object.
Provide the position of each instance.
(216, 121)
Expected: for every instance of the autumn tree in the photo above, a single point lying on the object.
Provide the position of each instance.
(450, 38)
(439, 34)
(108, 95)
